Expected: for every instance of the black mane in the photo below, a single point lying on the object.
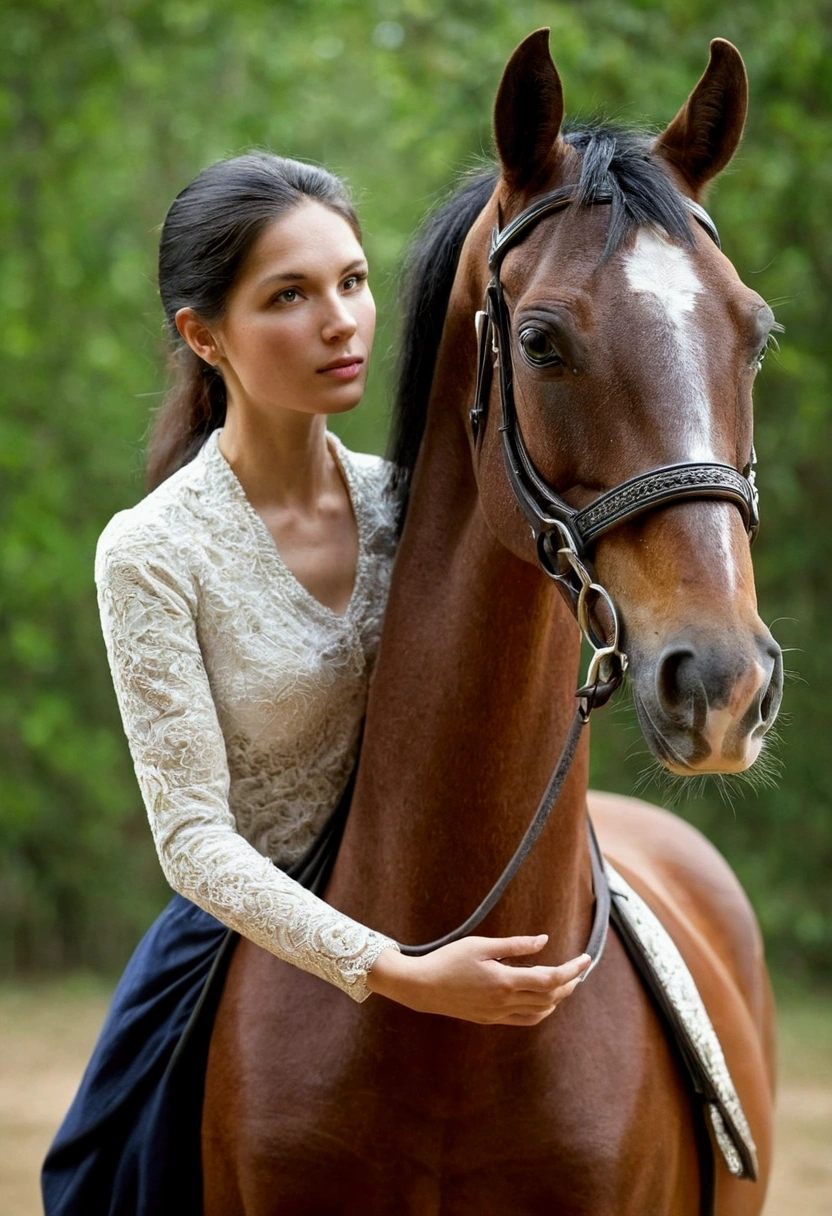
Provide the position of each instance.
(613, 159)
(429, 273)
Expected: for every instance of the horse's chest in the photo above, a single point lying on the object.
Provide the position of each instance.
(401, 1114)
(504, 1143)
(589, 1132)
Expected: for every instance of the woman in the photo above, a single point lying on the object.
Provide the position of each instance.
(241, 604)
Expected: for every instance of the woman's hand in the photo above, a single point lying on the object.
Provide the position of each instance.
(470, 980)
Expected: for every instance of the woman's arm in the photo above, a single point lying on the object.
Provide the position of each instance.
(148, 616)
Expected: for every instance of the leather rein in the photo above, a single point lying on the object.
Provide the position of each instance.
(563, 537)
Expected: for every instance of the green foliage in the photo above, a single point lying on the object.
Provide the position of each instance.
(107, 109)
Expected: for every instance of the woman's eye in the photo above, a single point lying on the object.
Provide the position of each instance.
(537, 347)
(288, 296)
(353, 281)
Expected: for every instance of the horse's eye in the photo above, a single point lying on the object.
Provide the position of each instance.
(771, 341)
(757, 362)
(537, 347)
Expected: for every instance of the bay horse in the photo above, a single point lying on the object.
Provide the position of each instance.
(634, 346)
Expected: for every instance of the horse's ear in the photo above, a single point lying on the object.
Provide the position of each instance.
(705, 133)
(528, 111)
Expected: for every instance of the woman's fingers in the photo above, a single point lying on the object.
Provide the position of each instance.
(524, 1019)
(502, 948)
(545, 979)
(544, 1000)
(512, 947)
(473, 979)
(549, 979)
(532, 1008)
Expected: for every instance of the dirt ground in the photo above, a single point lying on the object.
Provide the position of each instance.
(46, 1033)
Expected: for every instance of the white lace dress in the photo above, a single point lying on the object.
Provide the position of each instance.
(242, 698)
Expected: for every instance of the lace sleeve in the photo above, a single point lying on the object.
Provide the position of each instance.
(148, 617)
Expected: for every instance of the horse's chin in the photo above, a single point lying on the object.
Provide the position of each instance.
(714, 767)
(720, 746)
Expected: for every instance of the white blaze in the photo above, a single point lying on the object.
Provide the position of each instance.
(664, 270)
(662, 273)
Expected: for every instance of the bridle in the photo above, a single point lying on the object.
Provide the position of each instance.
(564, 536)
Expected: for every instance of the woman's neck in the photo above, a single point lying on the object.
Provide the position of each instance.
(282, 461)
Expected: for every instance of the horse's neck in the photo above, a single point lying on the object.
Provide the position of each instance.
(470, 703)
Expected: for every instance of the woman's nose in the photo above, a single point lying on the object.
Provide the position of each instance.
(339, 321)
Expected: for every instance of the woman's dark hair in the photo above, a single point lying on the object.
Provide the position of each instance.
(208, 233)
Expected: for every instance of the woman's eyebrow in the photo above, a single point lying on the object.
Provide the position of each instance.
(298, 276)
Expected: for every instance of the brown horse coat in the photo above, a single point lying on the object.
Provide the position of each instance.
(315, 1105)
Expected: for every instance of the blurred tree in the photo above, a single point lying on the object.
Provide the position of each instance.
(108, 108)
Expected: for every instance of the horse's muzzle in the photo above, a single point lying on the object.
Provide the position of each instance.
(705, 706)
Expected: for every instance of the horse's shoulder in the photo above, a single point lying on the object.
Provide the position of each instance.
(692, 889)
(644, 836)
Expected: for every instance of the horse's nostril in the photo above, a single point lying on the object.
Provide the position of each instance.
(673, 680)
(770, 701)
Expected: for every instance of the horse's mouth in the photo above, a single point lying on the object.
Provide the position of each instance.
(686, 750)
(659, 744)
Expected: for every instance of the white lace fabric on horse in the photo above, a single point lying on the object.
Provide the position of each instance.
(728, 1119)
(242, 698)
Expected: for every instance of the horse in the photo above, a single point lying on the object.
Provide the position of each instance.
(632, 347)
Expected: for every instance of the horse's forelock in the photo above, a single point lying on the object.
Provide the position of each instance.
(621, 161)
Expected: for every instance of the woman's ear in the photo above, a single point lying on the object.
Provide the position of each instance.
(198, 336)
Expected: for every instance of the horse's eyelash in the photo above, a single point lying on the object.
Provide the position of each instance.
(770, 343)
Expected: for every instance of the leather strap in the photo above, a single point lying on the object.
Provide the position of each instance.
(557, 200)
(544, 509)
(598, 933)
(671, 483)
(670, 1024)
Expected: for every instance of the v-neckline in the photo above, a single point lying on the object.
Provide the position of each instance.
(268, 542)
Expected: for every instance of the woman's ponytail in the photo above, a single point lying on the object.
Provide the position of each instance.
(193, 407)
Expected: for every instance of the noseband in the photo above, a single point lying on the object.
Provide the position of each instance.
(564, 535)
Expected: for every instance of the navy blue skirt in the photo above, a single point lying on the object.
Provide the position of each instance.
(130, 1143)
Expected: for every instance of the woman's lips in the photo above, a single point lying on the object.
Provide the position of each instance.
(343, 369)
